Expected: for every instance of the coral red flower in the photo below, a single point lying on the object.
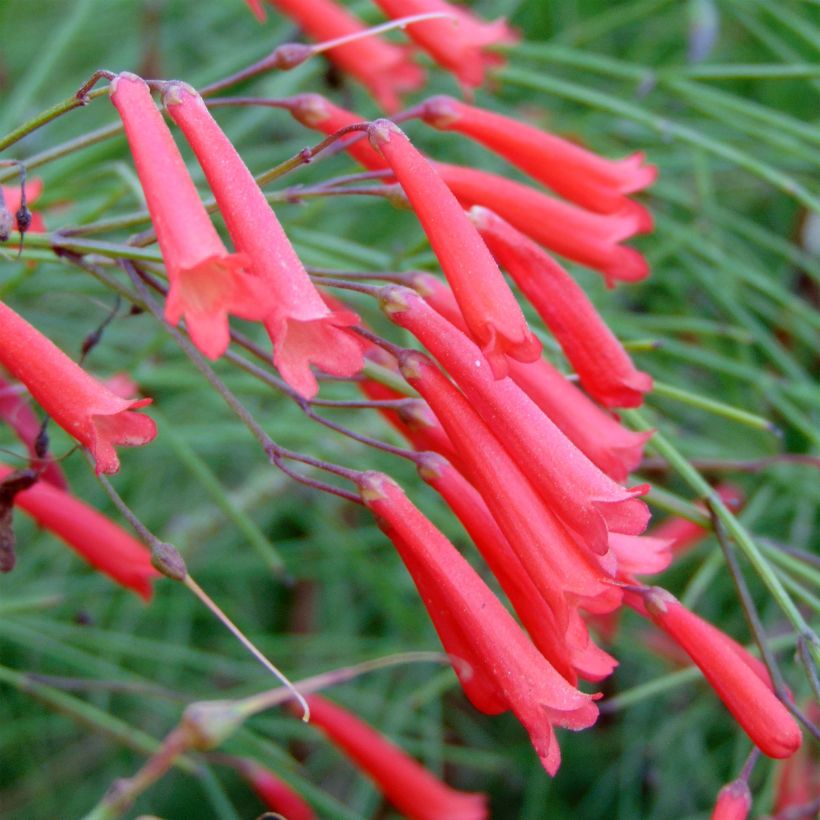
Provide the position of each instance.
(568, 650)
(12, 198)
(605, 369)
(274, 792)
(16, 412)
(207, 282)
(581, 176)
(413, 790)
(736, 676)
(734, 802)
(489, 308)
(609, 445)
(586, 500)
(89, 533)
(508, 672)
(303, 328)
(640, 554)
(798, 778)
(458, 45)
(588, 238)
(77, 402)
(385, 69)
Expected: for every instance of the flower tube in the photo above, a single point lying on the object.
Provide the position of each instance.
(77, 402)
(734, 801)
(277, 795)
(303, 328)
(508, 672)
(207, 282)
(489, 308)
(89, 533)
(413, 790)
(386, 70)
(582, 176)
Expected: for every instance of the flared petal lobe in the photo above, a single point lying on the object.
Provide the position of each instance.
(77, 402)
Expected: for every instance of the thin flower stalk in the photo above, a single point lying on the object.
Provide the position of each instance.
(95, 538)
(489, 308)
(12, 197)
(76, 401)
(385, 69)
(411, 788)
(303, 328)
(604, 367)
(580, 175)
(207, 282)
(508, 672)
(587, 501)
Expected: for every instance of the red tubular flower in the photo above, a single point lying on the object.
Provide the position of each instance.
(457, 45)
(734, 801)
(15, 411)
(12, 198)
(586, 500)
(207, 282)
(303, 328)
(570, 652)
(563, 572)
(489, 308)
(386, 70)
(605, 369)
(640, 554)
(613, 448)
(274, 792)
(581, 176)
(738, 679)
(89, 533)
(508, 672)
(413, 790)
(77, 402)
(588, 238)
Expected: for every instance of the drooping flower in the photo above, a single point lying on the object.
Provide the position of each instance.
(17, 413)
(581, 176)
(95, 538)
(12, 196)
(734, 801)
(740, 681)
(383, 68)
(489, 308)
(604, 367)
(303, 328)
(411, 788)
(587, 501)
(458, 45)
(508, 672)
(609, 445)
(206, 282)
(77, 402)
(569, 650)
(277, 795)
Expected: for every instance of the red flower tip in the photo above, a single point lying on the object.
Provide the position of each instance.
(737, 677)
(95, 538)
(277, 795)
(76, 401)
(304, 330)
(490, 310)
(733, 801)
(258, 9)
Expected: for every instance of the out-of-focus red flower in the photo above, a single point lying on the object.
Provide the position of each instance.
(585, 499)
(458, 45)
(12, 198)
(609, 445)
(508, 672)
(605, 369)
(16, 412)
(77, 402)
(798, 778)
(741, 681)
(207, 282)
(277, 795)
(383, 68)
(89, 533)
(489, 308)
(411, 788)
(734, 801)
(581, 176)
(640, 554)
(303, 328)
